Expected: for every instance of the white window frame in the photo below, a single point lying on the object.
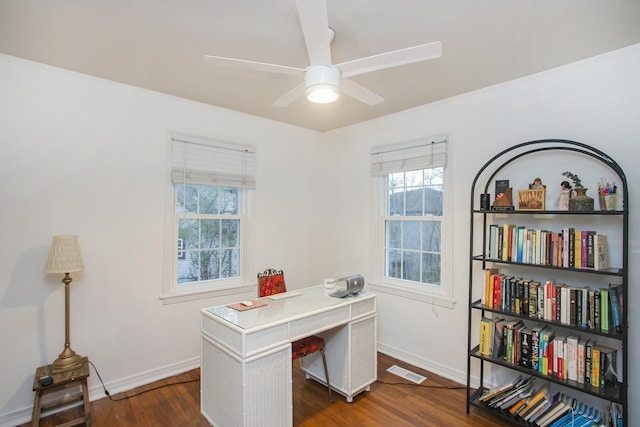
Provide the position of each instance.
(172, 291)
(407, 156)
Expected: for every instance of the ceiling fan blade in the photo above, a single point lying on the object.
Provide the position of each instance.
(394, 58)
(315, 27)
(220, 61)
(360, 93)
(290, 96)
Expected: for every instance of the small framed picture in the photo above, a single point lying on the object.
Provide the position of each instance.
(531, 200)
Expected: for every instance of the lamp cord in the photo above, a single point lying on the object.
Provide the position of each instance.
(106, 392)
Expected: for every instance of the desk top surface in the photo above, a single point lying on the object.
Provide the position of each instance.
(303, 302)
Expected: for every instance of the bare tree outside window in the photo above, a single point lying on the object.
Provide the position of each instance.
(209, 227)
(413, 225)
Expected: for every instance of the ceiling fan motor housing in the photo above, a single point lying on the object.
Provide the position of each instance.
(322, 83)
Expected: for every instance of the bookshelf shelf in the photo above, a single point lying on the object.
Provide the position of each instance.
(611, 393)
(549, 213)
(612, 271)
(477, 305)
(584, 329)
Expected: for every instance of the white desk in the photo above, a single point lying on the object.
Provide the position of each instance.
(246, 355)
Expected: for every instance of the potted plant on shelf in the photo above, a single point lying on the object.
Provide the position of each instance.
(578, 201)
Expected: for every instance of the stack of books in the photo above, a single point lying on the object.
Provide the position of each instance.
(527, 403)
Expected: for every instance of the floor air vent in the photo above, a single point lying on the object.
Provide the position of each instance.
(408, 375)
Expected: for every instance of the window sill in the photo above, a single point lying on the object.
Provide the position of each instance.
(196, 294)
(428, 297)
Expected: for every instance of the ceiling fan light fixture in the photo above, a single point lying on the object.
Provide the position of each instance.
(322, 84)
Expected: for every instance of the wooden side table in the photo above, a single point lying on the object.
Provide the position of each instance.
(72, 377)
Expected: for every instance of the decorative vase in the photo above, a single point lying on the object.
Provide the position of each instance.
(581, 202)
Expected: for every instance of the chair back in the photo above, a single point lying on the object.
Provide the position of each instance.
(271, 282)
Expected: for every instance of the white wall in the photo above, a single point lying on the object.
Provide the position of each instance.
(596, 102)
(86, 156)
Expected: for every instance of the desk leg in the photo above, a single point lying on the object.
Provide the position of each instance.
(246, 392)
(35, 416)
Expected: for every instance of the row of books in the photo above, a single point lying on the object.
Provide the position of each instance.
(581, 306)
(569, 248)
(532, 404)
(540, 348)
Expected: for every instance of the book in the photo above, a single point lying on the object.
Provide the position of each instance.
(524, 358)
(596, 310)
(595, 366)
(572, 259)
(588, 350)
(559, 356)
(507, 236)
(604, 309)
(498, 338)
(592, 301)
(572, 306)
(557, 414)
(493, 236)
(497, 291)
(546, 351)
(515, 398)
(510, 393)
(590, 249)
(581, 360)
(584, 235)
(509, 339)
(486, 337)
(577, 249)
(488, 286)
(616, 308)
(533, 298)
(608, 366)
(548, 405)
(584, 316)
(572, 357)
(536, 333)
(601, 255)
(536, 398)
(565, 247)
(565, 305)
(507, 385)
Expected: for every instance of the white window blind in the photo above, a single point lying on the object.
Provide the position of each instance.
(408, 156)
(216, 163)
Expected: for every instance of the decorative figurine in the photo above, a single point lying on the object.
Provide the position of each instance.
(562, 204)
(537, 185)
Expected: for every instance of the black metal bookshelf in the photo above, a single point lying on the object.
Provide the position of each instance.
(483, 179)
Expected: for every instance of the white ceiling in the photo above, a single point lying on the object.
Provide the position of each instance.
(160, 44)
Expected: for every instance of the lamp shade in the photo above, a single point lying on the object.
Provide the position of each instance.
(322, 83)
(64, 255)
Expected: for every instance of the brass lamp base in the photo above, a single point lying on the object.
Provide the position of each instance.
(66, 360)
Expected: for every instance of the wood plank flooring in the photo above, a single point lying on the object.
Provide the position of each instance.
(175, 402)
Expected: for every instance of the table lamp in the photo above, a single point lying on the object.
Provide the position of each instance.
(64, 257)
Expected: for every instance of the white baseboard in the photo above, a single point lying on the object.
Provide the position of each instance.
(96, 392)
(437, 368)
(421, 362)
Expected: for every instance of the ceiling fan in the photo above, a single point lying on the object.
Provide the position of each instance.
(324, 81)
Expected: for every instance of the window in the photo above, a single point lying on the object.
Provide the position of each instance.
(206, 233)
(411, 223)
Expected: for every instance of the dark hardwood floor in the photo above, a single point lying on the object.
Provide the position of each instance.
(175, 401)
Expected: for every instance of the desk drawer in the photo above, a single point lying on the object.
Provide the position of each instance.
(259, 340)
(322, 321)
(363, 308)
(222, 333)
